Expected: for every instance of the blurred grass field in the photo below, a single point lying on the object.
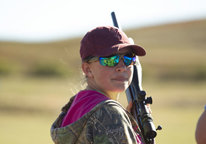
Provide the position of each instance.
(37, 79)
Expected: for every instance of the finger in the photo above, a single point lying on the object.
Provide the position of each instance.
(148, 107)
(129, 107)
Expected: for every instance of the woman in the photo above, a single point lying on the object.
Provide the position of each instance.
(94, 115)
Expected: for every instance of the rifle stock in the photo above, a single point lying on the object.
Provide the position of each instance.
(135, 94)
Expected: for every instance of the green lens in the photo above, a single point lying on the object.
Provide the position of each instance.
(128, 59)
(109, 61)
(113, 60)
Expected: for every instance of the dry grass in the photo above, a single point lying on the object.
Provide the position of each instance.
(29, 107)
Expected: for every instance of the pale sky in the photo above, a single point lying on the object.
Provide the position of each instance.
(47, 20)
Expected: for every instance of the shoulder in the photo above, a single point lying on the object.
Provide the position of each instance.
(110, 122)
(110, 109)
(110, 115)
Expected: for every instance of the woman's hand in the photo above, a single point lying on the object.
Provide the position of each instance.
(148, 107)
(129, 107)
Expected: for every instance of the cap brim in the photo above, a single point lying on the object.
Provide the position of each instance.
(139, 51)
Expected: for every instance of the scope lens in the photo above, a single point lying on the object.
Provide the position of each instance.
(151, 134)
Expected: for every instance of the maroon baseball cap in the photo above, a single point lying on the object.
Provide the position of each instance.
(106, 40)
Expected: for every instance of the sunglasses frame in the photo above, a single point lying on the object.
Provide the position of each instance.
(121, 56)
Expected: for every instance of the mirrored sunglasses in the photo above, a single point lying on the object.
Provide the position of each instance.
(113, 60)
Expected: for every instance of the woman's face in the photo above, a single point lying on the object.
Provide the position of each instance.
(109, 79)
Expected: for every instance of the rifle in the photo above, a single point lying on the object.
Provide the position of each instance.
(135, 94)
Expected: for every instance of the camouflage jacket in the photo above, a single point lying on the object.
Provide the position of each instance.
(107, 123)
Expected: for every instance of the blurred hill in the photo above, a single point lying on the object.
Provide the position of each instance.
(36, 80)
(174, 52)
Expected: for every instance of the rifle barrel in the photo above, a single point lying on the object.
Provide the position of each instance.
(114, 19)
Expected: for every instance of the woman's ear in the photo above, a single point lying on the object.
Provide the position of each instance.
(86, 69)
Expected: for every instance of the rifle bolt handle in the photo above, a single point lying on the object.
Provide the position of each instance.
(159, 127)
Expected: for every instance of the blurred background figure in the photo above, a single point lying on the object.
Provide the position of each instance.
(200, 133)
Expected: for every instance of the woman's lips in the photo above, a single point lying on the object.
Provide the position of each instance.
(120, 79)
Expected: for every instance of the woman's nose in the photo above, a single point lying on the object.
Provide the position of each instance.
(121, 66)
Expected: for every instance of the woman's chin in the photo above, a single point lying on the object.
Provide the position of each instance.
(121, 88)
